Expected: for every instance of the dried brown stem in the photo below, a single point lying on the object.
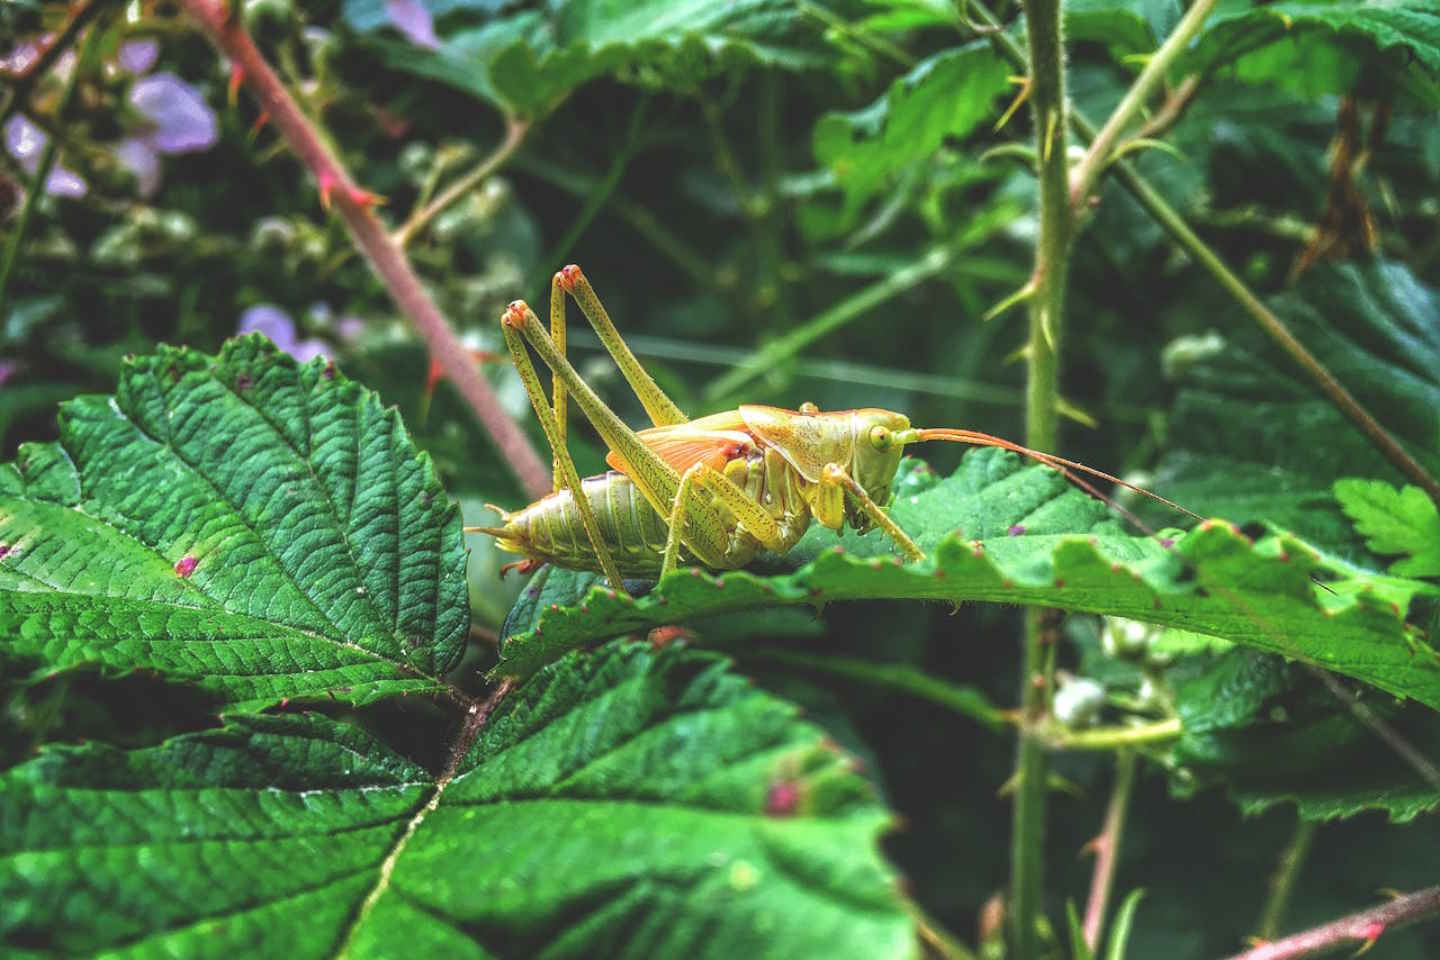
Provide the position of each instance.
(1360, 928)
(370, 236)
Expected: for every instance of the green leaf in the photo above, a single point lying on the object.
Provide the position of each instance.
(626, 803)
(1124, 922)
(1273, 734)
(1317, 48)
(1256, 441)
(1126, 27)
(1394, 521)
(528, 62)
(1001, 532)
(260, 529)
(945, 96)
(1079, 949)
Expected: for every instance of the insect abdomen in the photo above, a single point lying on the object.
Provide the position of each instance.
(550, 529)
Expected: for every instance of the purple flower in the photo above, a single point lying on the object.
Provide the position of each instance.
(181, 120)
(137, 56)
(25, 142)
(275, 323)
(412, 18)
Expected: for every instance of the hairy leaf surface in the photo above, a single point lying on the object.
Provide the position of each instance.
(261, 529)
(625, 803)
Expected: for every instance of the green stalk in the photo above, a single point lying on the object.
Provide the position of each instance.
(1175, 225)
(52, 147)
(783, 348)
(1042, 416)
(1287, 872)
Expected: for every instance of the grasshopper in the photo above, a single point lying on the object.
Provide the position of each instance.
(714, 491)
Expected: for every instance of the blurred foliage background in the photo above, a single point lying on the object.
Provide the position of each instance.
(792, 200)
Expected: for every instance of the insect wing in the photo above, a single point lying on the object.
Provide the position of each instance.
(713, 441)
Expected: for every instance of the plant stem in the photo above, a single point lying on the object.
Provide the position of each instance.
(515, 131)
(784, 348)
(1107, 848)
(1287, 871)
(49, 154)
(21, 86)
(1112, 738)
(1042, 414)
(1362, 928)
(1087, 174)
(1180, 232)
(1276, 329)
(369, 234)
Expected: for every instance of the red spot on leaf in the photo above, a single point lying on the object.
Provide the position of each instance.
(782, 799)
(185, 565)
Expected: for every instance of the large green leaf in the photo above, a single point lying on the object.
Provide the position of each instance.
(626, 803)
(1402, 521)
(1002, 532)
(1315, 48)
(1272, 733)
(1255, 441)
(529, 61)
(946, 95)
(260, 529)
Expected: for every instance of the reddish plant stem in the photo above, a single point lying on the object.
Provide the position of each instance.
(1107, 848)
(370, 236)
(1361, 928)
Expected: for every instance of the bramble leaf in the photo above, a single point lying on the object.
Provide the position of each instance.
(1001, 532)
(946, 95)
(1394, 521)
(1318, 48)
(625, 803)
(260, 529)
(529, 61)
(1255, 441)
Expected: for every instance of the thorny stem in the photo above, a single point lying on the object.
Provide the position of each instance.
(1047, 104)
(1087, 174)
(1282, 884)
(515, 131)
(1107, 848)
(47, 156)
(370, 235)
(1359, 928)
(1173, 224)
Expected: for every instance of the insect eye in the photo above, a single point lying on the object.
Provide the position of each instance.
(880, 438)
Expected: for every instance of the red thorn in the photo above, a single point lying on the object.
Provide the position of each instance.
(434, 376)
(237, 77)
(260, 122)
(1370, 933)
(327, 181)
(364, 199)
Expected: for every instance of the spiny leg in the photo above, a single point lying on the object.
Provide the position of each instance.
(565, 465)
(657, 480)
(835, 475)
(557, 388)
(660, 408)
(751, 515)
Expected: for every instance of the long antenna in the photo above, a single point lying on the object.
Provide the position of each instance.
(1067, 467)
